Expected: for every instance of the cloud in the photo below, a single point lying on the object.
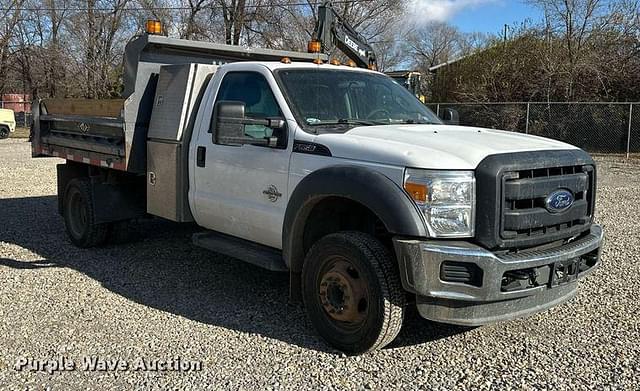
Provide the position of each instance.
(425, 11)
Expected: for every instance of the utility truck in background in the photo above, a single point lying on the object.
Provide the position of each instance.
(334, 174)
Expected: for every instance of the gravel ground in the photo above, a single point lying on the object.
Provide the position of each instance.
(160, 298)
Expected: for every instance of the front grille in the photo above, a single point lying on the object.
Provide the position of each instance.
(525, 218)
(511, 193)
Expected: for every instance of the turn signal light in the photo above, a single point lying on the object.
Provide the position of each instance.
(314, 47)
(417, 191)
(153, 27)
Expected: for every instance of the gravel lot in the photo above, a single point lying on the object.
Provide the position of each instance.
(160, 298)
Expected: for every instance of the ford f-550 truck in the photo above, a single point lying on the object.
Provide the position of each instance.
(335, 174)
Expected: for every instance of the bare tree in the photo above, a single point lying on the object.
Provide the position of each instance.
(288, 24)
(9, 18)
(99, 33)
(192, 29)
(234, 16)
(39, 51)
(573, 21)
(585, 49)
(434, 43)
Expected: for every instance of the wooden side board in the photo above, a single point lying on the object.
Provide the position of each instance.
(87, 107)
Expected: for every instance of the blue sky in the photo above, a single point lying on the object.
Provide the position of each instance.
(492, 16)
(487, 16)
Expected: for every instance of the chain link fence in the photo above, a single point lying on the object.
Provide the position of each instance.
(22, 111)
(611, 128)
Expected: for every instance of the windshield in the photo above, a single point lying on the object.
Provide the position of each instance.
(343, 99)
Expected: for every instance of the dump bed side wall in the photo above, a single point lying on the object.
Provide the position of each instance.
(85, 131)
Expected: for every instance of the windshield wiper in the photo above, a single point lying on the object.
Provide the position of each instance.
(411, 122)
(343, 121)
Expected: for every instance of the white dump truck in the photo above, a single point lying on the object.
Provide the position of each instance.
(334, 174)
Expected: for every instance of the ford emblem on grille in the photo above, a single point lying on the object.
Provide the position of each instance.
(559, 201)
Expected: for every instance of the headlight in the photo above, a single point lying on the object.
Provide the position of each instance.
(446, 198)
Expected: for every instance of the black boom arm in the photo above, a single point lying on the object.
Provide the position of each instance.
(331, 30)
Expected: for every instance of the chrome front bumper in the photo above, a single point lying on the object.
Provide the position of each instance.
(487, 299)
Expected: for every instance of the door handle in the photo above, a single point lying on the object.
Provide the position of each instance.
(201, 156)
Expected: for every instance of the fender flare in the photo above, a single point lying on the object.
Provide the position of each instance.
(371, 188)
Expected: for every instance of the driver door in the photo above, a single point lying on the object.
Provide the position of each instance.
(242, 190)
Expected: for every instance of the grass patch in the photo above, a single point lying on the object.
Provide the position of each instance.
(20, 133)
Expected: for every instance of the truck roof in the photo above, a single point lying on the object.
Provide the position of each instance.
(275, 65)
(145, 54)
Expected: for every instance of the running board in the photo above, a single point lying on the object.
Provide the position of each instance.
(244, 250)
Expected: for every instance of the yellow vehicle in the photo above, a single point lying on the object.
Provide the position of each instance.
(7, 122)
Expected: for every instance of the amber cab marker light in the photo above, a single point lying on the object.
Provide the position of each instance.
(335, 62)
(318, 61)
(314, 47)
(417, 191)
(285, 60)
(153, 27)
(373, 67)
(351, 63)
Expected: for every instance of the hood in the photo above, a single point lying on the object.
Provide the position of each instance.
(431, 146)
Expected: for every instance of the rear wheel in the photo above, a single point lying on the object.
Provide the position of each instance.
(4, 132)
(79, 217)
(352, 292)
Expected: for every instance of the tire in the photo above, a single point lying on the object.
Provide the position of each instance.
(79, 217)
(4, 132)
(352, 292)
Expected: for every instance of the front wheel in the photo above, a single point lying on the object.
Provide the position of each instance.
(352, 292)
(4, 132)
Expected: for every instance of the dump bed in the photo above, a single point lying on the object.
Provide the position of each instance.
(87, 131)
(113, 133)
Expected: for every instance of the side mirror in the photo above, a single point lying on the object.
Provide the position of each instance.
(450, 116)
(228, 125)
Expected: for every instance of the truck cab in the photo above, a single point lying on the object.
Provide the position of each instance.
(336, 175)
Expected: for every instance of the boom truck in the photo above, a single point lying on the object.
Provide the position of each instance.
(334, 174)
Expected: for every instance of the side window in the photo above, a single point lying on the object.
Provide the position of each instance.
(253, 90)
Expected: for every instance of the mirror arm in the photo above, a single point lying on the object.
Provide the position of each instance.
(273, 123)
(272, 141)
(238, 141)
(276, 123)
